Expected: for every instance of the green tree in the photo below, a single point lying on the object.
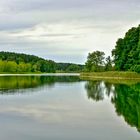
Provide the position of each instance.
(2, 64)
(126, 53)
(31, 63)
(108, 65)
(12, 62)
(11, 66)
(73, 68)
(95, 61)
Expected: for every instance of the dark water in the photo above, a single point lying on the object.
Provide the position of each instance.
(67, 108)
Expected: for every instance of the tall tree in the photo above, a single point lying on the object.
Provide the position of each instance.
(95, 61)
(127, 51)
(108, 65)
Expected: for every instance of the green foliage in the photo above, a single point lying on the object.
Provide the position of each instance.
(21, 63)
(135, 68)
(15, 62)
(95, 61)
(8, 66)
(127, 51)
(108, 65)
(69, 67)
(73, 67)
(111, 75)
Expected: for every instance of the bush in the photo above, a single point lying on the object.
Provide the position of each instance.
(136, 68)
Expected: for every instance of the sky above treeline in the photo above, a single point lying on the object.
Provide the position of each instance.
(65, 30)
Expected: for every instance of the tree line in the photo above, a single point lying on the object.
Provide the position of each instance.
(16, 62)
(125, 56)
(19, 63)
(69, 67)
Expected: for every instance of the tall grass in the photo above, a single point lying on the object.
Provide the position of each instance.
(111, 75)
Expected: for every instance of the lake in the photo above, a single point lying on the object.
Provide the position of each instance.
(68, 108)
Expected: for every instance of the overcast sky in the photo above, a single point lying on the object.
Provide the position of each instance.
(65, 30)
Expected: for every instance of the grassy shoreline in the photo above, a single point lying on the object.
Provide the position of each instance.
(111, 75)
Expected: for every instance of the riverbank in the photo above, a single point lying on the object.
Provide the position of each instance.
(111, 75)
(127, 78)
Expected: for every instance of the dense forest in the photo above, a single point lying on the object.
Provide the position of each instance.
(16, 62)
(125, 56)
(69, 67)
(127, 51)
(21, 63)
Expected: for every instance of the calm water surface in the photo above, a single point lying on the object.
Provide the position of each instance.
(67, 108)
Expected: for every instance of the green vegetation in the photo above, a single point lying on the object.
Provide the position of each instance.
(127, 51)
(23, 63)
(96, 62)
(20, 63)
(110, 75)
(69, 67)
(125, 63)
(108, 64)
(126, 57)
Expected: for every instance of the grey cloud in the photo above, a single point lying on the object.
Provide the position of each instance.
(57, 35)
(22, 5)
(24, 14)
(103, 17)
(49, 35)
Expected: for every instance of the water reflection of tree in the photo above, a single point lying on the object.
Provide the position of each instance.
(127, 103)
(94, 90)
(13, 83)
(126, 99)
(97, 89)
(108, 88)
